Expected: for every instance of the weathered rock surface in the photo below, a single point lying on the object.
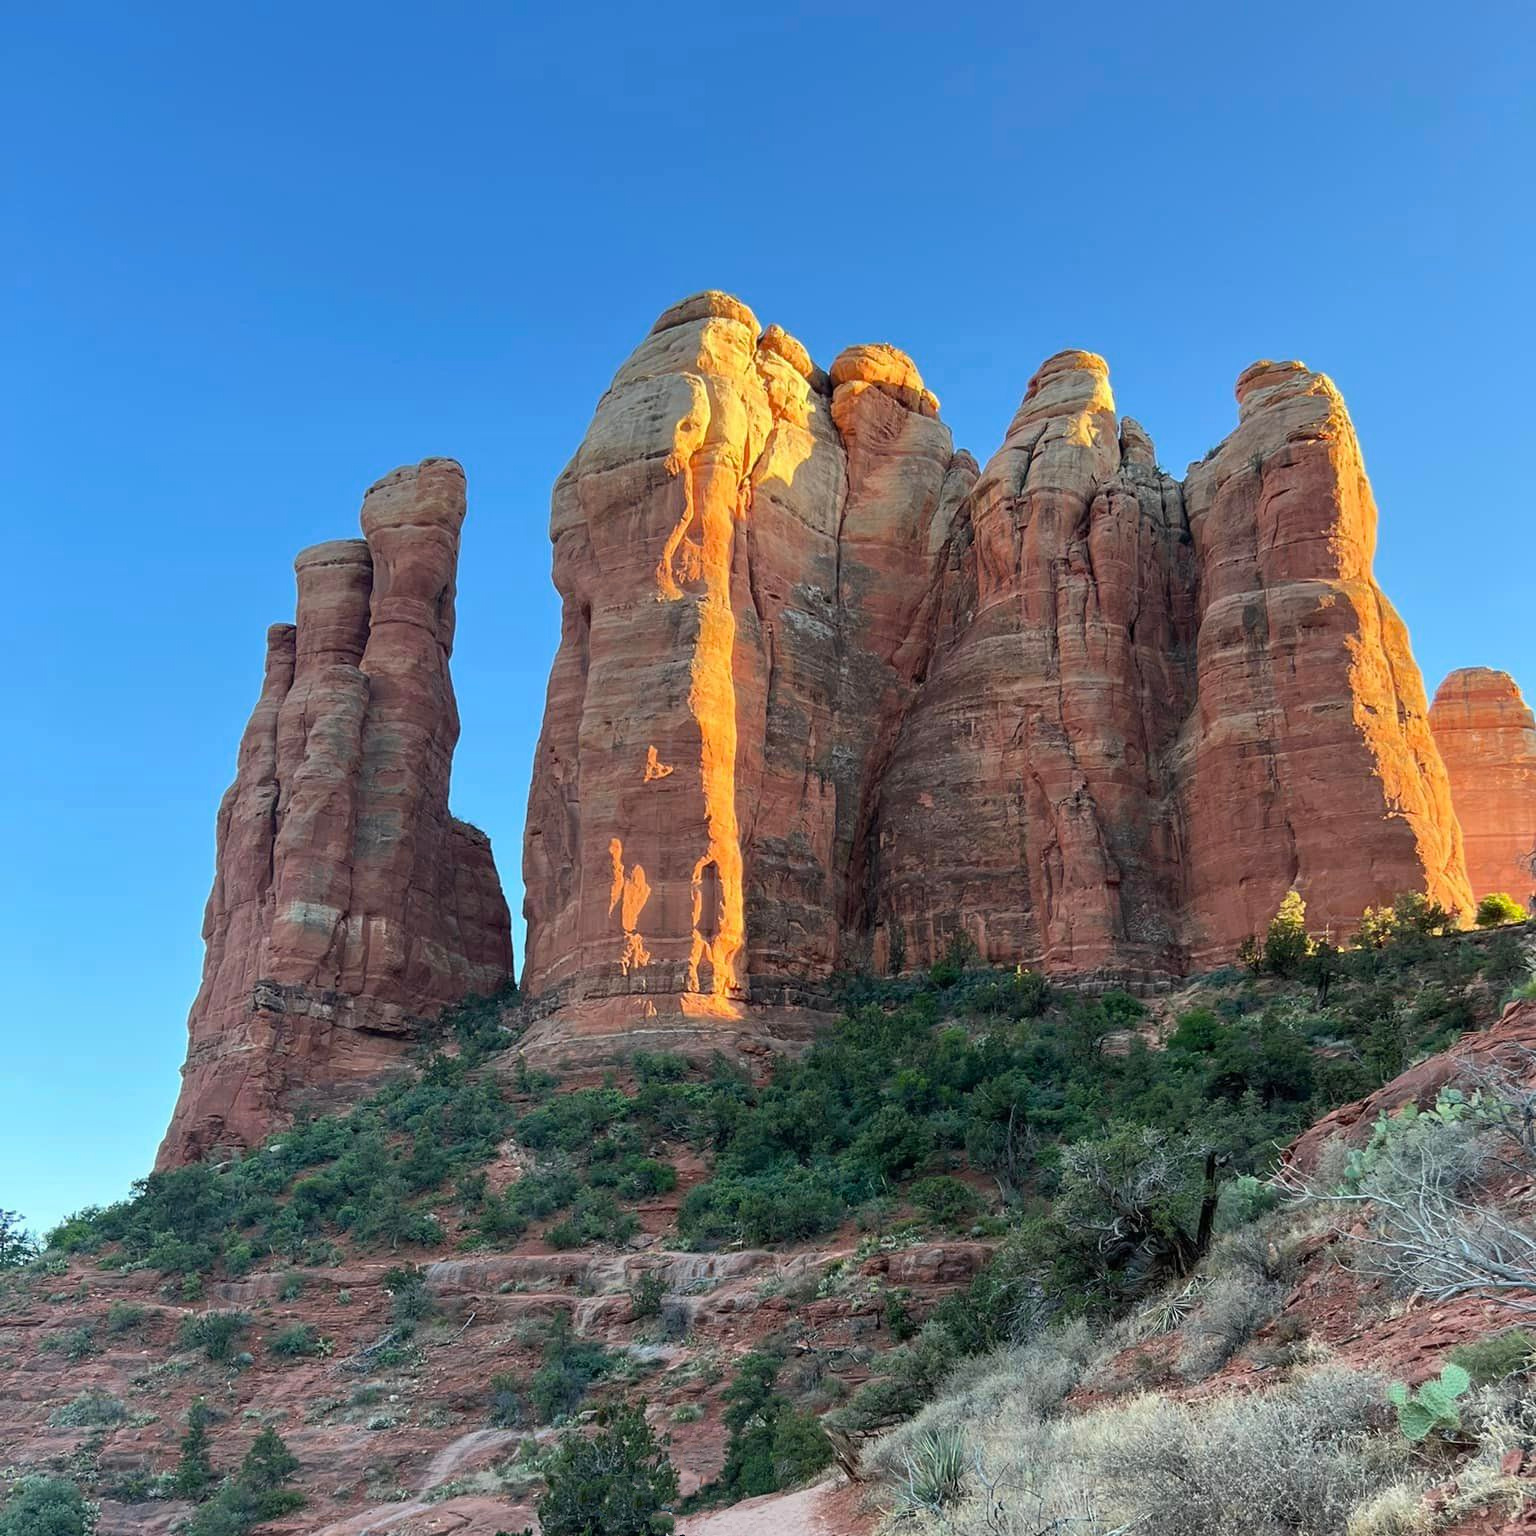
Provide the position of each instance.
(743, 546)
(1487, 736)
(825, 696)
(1309, 760)
(1028, 804)
(347, 902)
(1509, 1044)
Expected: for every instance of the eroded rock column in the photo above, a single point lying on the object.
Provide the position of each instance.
(1487, 736)
(348, 905)
(742, 545)
(1021, 808)
(1309, 761)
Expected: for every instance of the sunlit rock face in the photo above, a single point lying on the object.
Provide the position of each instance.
(743, 546)
(1308, 760)
(827, 697)
(1487, 736)
(347, 903)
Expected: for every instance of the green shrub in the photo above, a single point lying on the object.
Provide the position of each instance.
(762, 1209)
(570, 1366)
(1434, 1406)
(1243, 1200)
(506, 1410)
(1200, 1030)
(906, 1378)
(958, 954)
(1496, 1358)
(936, 1469)
(93, 1409)
(410, 1301)
(944, 1198)
(47, 1506)
(617, 1482)
(194, 1468)
(124, 1317)
(595, 1218)
(771, 1443)
(214, 1333)
(1024, 994)
(17, 1245)
(258, 1491)
(295, 1342)
(1414, 912)
(1498, 908)
(649, 1293)
(72, 1343)
(1286, 943)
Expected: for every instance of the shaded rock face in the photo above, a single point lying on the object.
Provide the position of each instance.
(826, 696)
(347, 902)
(1487, 736)
(1029, 805)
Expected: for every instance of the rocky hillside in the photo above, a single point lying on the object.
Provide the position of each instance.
(424, 1295)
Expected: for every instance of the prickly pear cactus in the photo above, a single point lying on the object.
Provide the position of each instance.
(1434, 1406)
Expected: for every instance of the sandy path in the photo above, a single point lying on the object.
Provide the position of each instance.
(828, 1509)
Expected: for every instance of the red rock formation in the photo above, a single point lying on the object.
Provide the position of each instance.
(1510, 1043)
(1028, 804)
(1310, 762)
(347, 903)
(825, 697)
(1487, 736)
(742, 545)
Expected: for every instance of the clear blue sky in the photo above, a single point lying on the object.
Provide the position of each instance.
(268, 252)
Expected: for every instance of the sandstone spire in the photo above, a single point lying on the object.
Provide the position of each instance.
(742, 545)
(1027, 803)
(826, 697)
(1487, 736)
(347, 903)
(1309, 759)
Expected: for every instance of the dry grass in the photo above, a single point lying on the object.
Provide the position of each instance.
(1304, 1457)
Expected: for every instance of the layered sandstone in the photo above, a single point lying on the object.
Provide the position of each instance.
(743, 545)
(1028, 804)
(347, 903)
(826, 697)
(1309, 760)
(1487, 736)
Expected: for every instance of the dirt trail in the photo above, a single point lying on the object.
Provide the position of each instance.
(459, 1452)
(829, 1509)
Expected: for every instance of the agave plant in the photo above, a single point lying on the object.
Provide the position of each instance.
(1434, 1406)
(936, 1472)
(1170, 1310)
